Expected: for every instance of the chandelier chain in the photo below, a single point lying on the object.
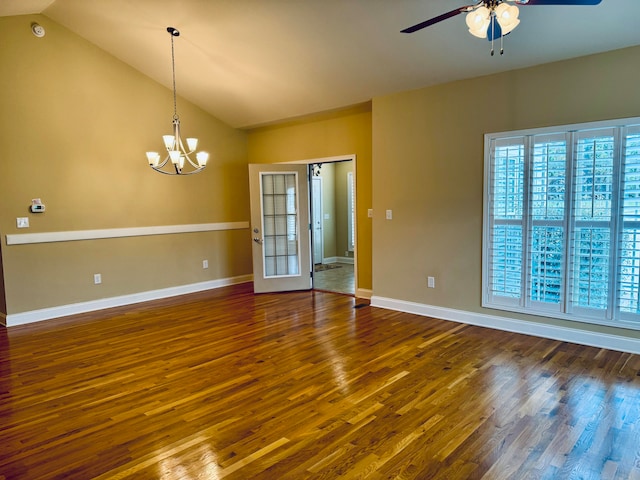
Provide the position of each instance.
(173, 69)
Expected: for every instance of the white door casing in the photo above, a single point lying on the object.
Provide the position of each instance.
(317, 219)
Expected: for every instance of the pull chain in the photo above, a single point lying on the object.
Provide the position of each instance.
(493, 29)
(493, 36)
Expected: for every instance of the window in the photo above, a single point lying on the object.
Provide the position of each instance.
(562, 222)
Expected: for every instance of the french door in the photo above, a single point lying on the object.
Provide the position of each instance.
(279, 195)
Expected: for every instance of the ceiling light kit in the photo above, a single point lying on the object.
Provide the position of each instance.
(493, 19)
(176, 151)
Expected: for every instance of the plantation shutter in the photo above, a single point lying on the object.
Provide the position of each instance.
(506, 205)
(628, 292)
(561, 234)
(547, 231)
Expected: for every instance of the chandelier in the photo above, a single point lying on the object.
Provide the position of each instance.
(176, 151)
(493, 19)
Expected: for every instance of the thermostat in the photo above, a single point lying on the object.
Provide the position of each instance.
(37, 206)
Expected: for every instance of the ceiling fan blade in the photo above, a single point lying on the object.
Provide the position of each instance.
(558, 2)
(437, 19)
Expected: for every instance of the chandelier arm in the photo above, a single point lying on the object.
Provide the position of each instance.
(194, 165)
(163, 163)
(157, 169)
(180, 145)
(176, 130)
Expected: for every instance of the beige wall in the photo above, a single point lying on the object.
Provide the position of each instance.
(328, 175)
(428, 166)
(338, 134)
(342, 212)
(75, 124)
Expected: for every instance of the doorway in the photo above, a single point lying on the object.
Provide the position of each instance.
(332, 205)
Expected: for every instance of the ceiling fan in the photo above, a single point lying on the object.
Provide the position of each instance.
(493, 19)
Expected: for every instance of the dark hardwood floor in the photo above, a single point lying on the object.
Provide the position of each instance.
(227, 384)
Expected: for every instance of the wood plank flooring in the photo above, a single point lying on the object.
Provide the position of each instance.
(228, 384)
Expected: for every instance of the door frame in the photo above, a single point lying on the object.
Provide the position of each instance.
(317, 192)
(335, 159)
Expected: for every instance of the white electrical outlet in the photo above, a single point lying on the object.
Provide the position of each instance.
(22, 222)
(205, 263)
(431, 282)
(97, 278)
(370, 212)
(389, 214)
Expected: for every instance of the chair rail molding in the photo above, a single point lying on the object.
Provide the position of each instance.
(75, 235)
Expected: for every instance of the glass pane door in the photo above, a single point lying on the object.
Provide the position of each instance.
(281, 249)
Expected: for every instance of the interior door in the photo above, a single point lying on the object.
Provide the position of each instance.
(279, 195)
(316, 218)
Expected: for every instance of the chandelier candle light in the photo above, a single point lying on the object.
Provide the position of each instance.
(176, 151)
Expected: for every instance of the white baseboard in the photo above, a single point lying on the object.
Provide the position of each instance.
(338, 260)
(364, 293)
(24, 318)
(611, 342)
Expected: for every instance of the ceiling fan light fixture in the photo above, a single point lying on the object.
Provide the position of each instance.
(507, 17)
(478, 21)
(493, 19)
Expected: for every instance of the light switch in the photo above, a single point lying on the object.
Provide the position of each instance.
(389, 215)
(22, 222)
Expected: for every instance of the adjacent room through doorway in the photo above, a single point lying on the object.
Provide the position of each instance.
(333, 221)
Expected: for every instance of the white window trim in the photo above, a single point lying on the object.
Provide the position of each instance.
(524, 304)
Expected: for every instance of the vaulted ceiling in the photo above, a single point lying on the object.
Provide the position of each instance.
(253, 62)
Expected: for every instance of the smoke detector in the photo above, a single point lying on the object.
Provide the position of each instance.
(37, 30)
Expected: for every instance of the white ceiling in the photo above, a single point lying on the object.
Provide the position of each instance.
(253, 62)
